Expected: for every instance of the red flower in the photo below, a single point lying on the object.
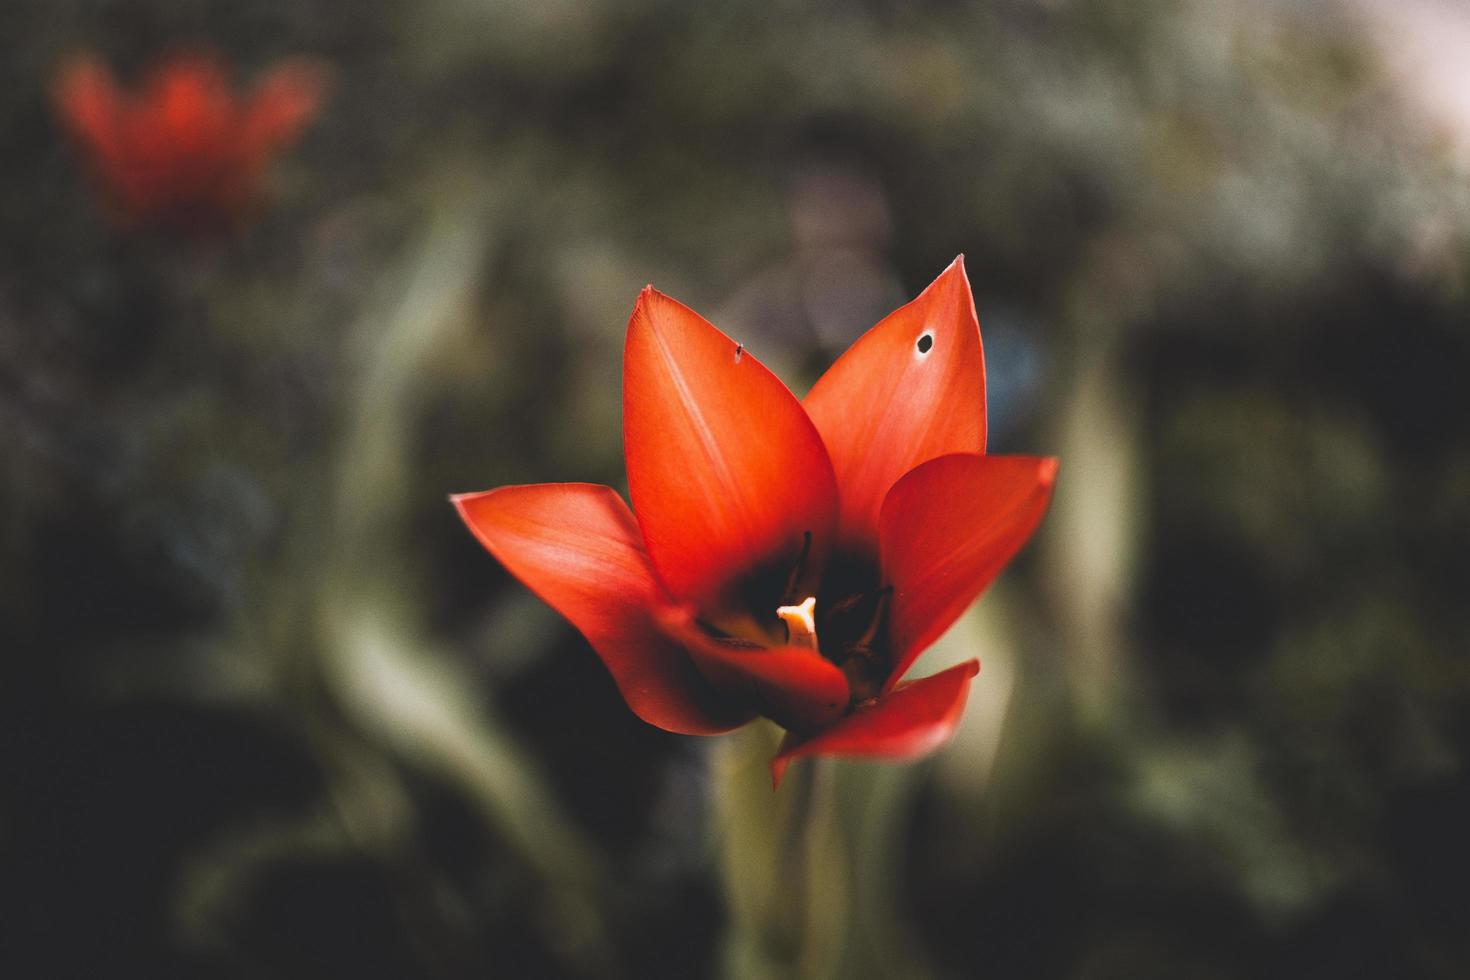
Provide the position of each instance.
(788, 559)
(185, 151)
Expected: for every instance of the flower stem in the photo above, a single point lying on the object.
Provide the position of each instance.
(784, 868)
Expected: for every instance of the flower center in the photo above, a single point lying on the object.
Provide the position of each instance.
(801, 624)
(849, 609)
(854, 628)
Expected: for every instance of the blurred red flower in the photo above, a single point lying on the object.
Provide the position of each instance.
(788, 559)
(184, 151)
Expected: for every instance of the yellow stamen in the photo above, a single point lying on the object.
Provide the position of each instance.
(801, 625)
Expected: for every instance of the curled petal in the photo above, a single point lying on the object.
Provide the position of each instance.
(726, 472)
(911, 720)
(793, 686)
(948, 528)
(577, 546)
(912, 388)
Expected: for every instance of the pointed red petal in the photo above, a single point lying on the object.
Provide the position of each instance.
(896, 399)
(577, 547)
(285, 100)
(793, 686)
(725, 470)
(187, 105)
(88, 102)
(911, 720)
(948, 528)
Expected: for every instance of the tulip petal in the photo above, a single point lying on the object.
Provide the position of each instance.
(948, 528)
(725, 470)
(910, 389)
(913, 719)
(577, 546)
(285, 100)
(89, 102)
(187, 104)
(793, 686)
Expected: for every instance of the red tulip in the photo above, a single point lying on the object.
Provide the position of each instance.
(788, 559)
(184, 151)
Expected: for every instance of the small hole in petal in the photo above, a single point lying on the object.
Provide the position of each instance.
(925, 343)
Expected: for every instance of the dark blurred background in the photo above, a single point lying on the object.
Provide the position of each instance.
(269, 712)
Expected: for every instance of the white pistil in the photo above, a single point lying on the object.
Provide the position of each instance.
(801, 624)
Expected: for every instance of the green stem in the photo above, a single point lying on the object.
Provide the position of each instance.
(784, 869)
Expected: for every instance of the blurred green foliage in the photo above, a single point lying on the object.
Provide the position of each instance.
(269, 712)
